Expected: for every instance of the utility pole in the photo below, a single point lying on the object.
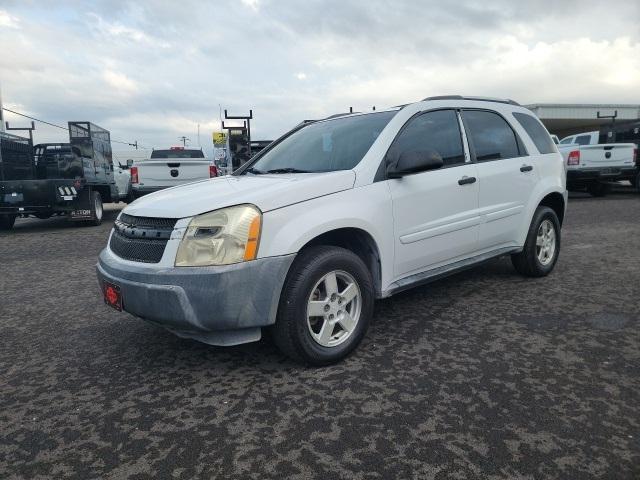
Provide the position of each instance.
(184, 140)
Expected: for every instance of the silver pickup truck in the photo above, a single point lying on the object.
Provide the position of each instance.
(592, 166)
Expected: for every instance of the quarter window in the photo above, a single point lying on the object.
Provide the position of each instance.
(537, 132)
(491, 136)
(437, 131)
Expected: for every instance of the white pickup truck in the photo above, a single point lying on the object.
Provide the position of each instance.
(169, 168)
(592, 165)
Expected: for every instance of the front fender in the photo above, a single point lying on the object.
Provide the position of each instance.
(368, 208)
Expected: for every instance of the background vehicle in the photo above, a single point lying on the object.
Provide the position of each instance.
(628, 132)
(591, 165)
(71, 179)
(123, 181)
(334, 214)
(170, 167)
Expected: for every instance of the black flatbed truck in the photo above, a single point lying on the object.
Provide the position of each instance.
(68, 179)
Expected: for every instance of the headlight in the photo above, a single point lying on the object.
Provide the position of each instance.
(225, 236)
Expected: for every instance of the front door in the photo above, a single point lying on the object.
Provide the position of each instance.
(435, 212)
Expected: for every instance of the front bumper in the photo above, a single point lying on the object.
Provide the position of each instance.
(223, 305)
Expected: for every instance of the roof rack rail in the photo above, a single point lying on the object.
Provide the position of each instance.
(482, 99)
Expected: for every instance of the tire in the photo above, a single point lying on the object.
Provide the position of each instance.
(131, 197)
(598, 189)
(301, 337)
(97, 209)
(529, 262)
(7, 222)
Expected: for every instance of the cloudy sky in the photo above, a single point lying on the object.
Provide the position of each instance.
(153, 70)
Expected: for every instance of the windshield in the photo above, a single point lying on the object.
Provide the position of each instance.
(330, 145)
(183, 153)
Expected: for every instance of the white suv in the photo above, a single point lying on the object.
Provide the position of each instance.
(337, 213)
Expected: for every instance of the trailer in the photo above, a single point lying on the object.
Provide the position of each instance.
(68, 179)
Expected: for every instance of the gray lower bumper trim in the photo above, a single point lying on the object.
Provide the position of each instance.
(195, 302)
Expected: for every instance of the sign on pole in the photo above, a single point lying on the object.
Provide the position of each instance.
(219, 139)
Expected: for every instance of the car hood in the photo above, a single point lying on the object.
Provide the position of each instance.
(267, 192)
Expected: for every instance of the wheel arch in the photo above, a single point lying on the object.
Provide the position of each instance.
(104, 191)
(358, 241)
(556, 202)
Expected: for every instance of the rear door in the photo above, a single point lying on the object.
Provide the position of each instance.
(507, 176)
(435, 213)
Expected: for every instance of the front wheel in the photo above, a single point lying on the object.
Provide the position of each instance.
(325, 307)
(542, 246)
(598, 189)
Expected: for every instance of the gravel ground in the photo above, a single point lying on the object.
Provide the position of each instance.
(482, 375)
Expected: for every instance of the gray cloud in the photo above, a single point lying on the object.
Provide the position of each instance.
(153, 70)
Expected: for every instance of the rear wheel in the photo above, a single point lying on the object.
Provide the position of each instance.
(43, 215)
(542, 246)
(598, 189)
(325, 307)
(7, 222)
(97, 209)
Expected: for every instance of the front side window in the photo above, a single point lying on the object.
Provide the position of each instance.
(537, 132)
(566, 141)
(491, 136)
(437, 131)
(326, 146)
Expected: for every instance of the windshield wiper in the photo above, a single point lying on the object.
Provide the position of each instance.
(287, 170)
(255, 171)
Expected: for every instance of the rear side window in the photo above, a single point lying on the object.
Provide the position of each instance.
(583, 139)
(177, 153)
(536, 131)
(437, 131)
(491, 136)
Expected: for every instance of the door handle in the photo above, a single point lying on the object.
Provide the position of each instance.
(526, 168)
(466, 180)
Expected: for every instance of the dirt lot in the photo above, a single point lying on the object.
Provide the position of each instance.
(482, 375)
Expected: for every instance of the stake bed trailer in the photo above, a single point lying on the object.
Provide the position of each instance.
(71, 179)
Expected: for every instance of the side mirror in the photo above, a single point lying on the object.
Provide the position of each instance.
(130, 162)
(415, 161)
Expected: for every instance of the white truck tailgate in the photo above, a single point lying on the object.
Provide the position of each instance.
(614, 155)
(169, 172)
